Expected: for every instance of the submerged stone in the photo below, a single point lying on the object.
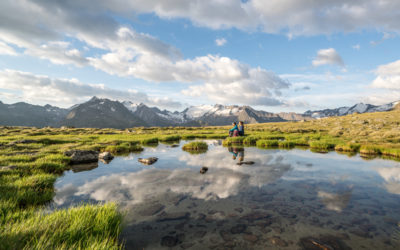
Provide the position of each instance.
(169, 241)
(173, 216)
(203, 170)
(239, 228)
(323, 242)
(148, 161)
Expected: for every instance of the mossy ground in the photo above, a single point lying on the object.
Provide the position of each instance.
(28, 188)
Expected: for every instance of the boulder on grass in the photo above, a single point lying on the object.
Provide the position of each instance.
(82, 156)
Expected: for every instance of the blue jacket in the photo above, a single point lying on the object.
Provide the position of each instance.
(234, 128)
(241, 129)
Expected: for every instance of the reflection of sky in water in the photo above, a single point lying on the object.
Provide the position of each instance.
(127, 181)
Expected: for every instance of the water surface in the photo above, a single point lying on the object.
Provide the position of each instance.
(288, 199)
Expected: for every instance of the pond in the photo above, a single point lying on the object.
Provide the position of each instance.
(287, 199)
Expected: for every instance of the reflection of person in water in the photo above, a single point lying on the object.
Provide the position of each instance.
(241, 155)
(237, 152)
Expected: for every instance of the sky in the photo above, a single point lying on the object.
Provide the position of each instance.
(274, 55)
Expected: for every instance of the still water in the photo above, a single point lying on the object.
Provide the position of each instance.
(287, 199)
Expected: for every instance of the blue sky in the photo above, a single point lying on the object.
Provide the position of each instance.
(288, 55)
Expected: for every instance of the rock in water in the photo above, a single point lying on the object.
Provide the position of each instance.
(82, 156)
(246, 163)
(203, 170)
(148, 161)
(107, 156)
(323, 242)
(169, 241)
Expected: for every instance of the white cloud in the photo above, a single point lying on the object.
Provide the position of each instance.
(388, 76)
(6, 50)
(327, 56)
(36, 88)
(251, 86)
(356, 47)
(220, 41)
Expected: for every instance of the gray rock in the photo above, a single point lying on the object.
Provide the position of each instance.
(245, 162)
(107, 156)
(82, 156)
(5, 168)
(203, 170)
(148, 161)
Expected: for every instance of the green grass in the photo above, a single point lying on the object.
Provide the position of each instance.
(322, 145)
(238, 140)
(195, 145)
(286, 144)
(84, 227)
(267, 143)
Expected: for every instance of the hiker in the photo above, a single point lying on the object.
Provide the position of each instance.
(241, 128)
(233, 132)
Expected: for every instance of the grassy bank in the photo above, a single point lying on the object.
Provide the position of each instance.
(35, 159)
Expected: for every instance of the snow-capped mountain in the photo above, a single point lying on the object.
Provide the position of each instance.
(358, 108)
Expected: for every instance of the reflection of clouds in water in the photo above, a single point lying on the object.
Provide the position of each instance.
(392, 179)
(64, 193)
(267, 167)
(335, 201)
(221, 181)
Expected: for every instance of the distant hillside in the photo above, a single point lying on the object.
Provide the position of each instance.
(101, 113)
(24, 114)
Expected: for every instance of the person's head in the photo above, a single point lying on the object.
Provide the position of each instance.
(241, 123)
(233, 123)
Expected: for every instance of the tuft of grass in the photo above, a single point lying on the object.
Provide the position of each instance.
(286, 144)
(170, 138)
(322, 145)
(148, 141)
(238, 140)
(123, 148)
(370, 150)
(267, 143)
(349, 147)
(195, 145)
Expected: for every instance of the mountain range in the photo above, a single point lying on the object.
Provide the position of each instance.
(105, 113)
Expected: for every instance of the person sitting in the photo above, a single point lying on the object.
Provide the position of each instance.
(233, 132)
(241, 128)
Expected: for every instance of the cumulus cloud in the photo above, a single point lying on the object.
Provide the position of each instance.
(122, 51)
(388, 76)
(327, 56)
(254, 86)
(38, 88)
(293, 17)
(356, 46)
(220, 41)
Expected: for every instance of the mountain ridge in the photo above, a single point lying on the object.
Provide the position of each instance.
(105, 113)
